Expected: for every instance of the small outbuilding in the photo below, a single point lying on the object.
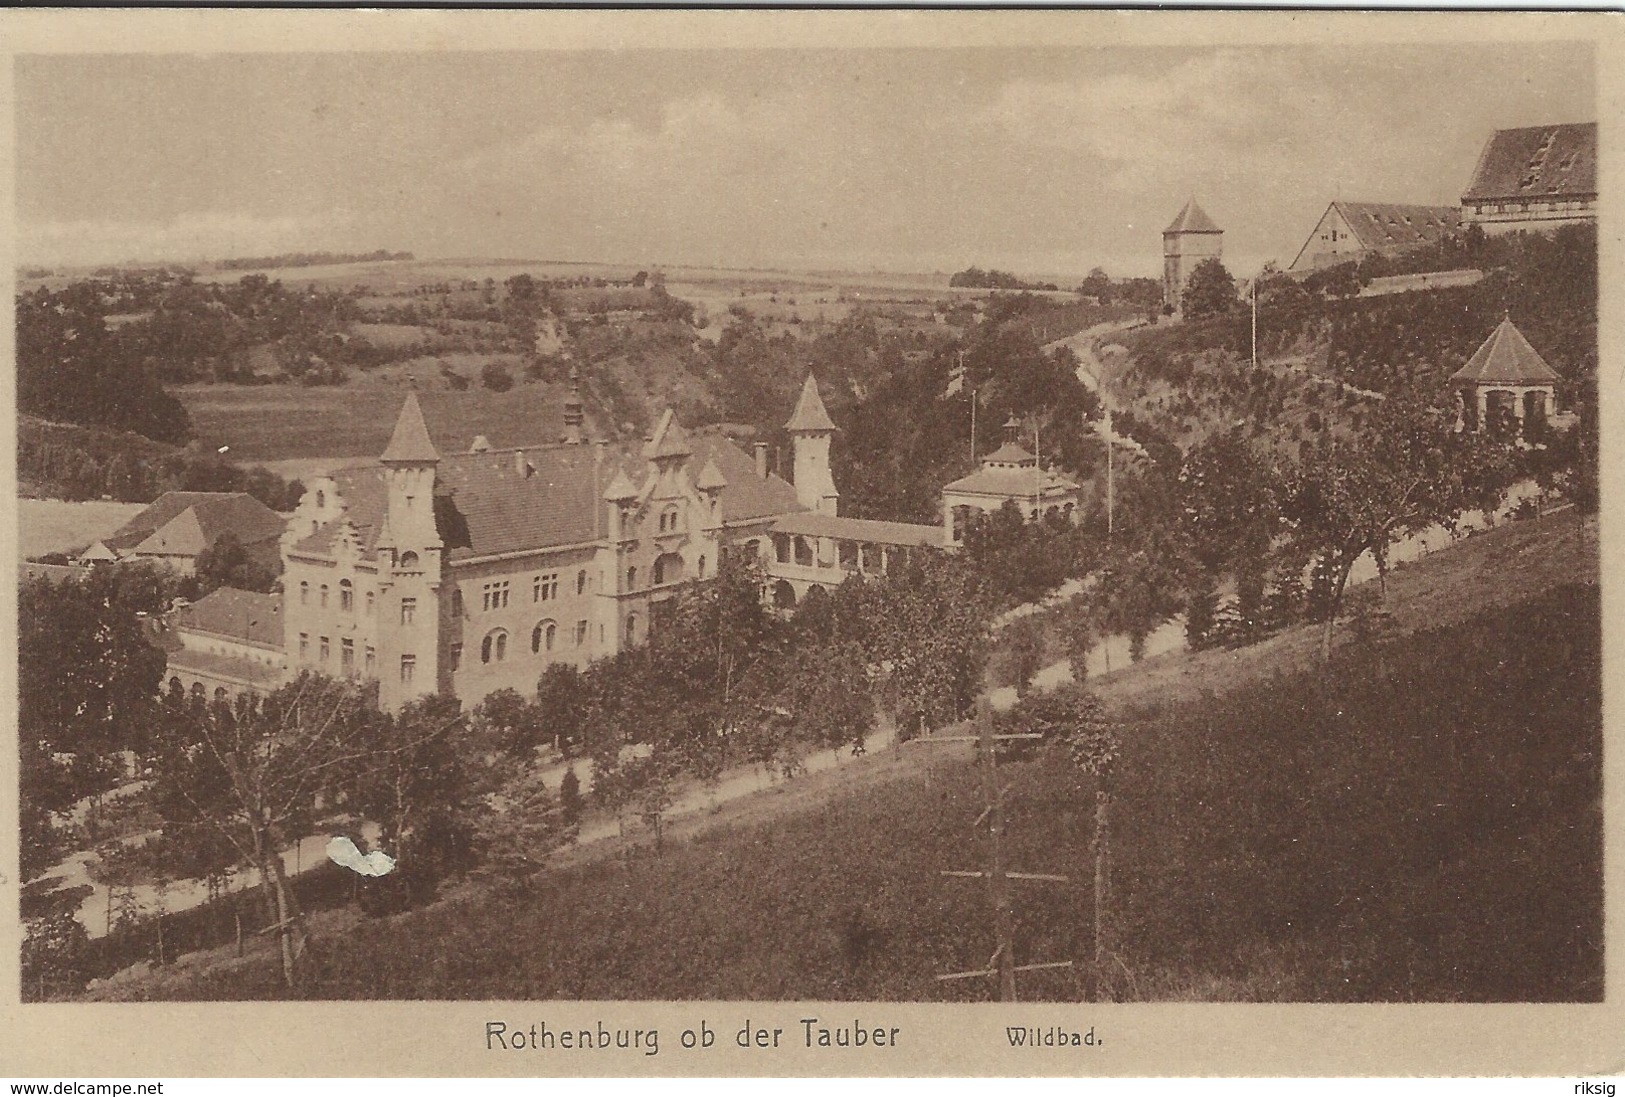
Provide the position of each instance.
(1505, 375)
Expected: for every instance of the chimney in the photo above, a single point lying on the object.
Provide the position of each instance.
(761, 460)
(521, 467)
(572, 410)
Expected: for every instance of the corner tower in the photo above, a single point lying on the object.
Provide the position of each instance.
(811, 428)
(1191, 238)
(409, 564)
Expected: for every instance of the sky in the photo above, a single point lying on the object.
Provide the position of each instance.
(1045, 161)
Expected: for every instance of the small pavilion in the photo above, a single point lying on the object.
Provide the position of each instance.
(1505, 374)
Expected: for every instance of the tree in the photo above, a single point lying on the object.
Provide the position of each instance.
(253, 772)
(227, 564)
(1410, 471)
(494, 377)
(1209, 291)
(1024, 639)
(87, 681)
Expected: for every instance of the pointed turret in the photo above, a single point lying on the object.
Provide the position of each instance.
(1192, 219)
(620, 489)
(573, 415)
(669, 439)
(711, 478)
(810, 414)
(811, 427)
(410, 443)
(1506, 356)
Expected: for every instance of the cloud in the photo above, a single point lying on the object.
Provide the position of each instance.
(190, 236)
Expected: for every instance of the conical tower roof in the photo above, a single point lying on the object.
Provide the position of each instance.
(810, 414)
(410, 442)
(711, 478)
(1191, 219)
(1506, 357)
(620, 489)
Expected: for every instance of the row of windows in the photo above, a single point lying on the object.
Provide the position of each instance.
(324, 650)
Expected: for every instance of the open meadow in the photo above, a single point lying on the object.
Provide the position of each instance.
(278, 423)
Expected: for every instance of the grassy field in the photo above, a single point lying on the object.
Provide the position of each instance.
(278, 423)
(1421, 824)
(53, 525)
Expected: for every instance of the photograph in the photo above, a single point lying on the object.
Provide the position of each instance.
(1084, 522)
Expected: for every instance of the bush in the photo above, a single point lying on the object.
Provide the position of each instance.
(495, 377)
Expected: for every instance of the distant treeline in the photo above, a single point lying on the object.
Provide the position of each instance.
(311, 259)
(68, 462)
(977, 278)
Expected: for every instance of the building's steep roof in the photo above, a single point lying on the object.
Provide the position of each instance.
(815, 524)
(810, 413)
(1191, 219)
(1537, 162)
(1013, 483)
(1011, 453)
(410, 442)
(1379, 225)
(212, 514)
(484, 505)
(1506, 357)
(240, 614)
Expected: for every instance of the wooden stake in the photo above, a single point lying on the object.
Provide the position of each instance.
(996, 884)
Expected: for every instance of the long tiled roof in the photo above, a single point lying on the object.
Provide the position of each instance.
(814, 524)
(1537, 162)
(485, 503)
(241, 614)
(1380, 225)
(214, 513)
(1506, 357)
(234, 667)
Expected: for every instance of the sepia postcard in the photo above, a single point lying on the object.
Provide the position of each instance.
(792, 543)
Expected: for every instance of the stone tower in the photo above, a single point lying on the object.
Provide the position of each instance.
(812, 428)
(409, 564)
(1191, 238)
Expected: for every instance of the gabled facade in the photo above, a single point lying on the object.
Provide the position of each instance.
(1349, 230)
(180, 525)
(470, 572)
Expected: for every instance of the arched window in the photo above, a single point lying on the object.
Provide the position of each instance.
(632, 578)
(321, 499)
(369, 601)
(581, 581)
(304, 594)
(784, 595)
(197, 691)
(409, 561)
(631, 628)
(542, 637)
(668, 568)
(346, 595)
(174, 685)
(702, 567)
(219, 693)
(494, 648)
(324, 596)
(668, 519)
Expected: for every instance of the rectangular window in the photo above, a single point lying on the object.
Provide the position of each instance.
(346, 597)
(325, 649)
(545, 588)
(409, 610)
(347, 655)
(304, 647)
(372, 661)
(409, 666)
(581, 633)
(457, 601)
(495, 595)
(456, 656)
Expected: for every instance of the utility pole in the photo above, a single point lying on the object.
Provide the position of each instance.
(1003, 961)
(1256, 277)
(1109, 492)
